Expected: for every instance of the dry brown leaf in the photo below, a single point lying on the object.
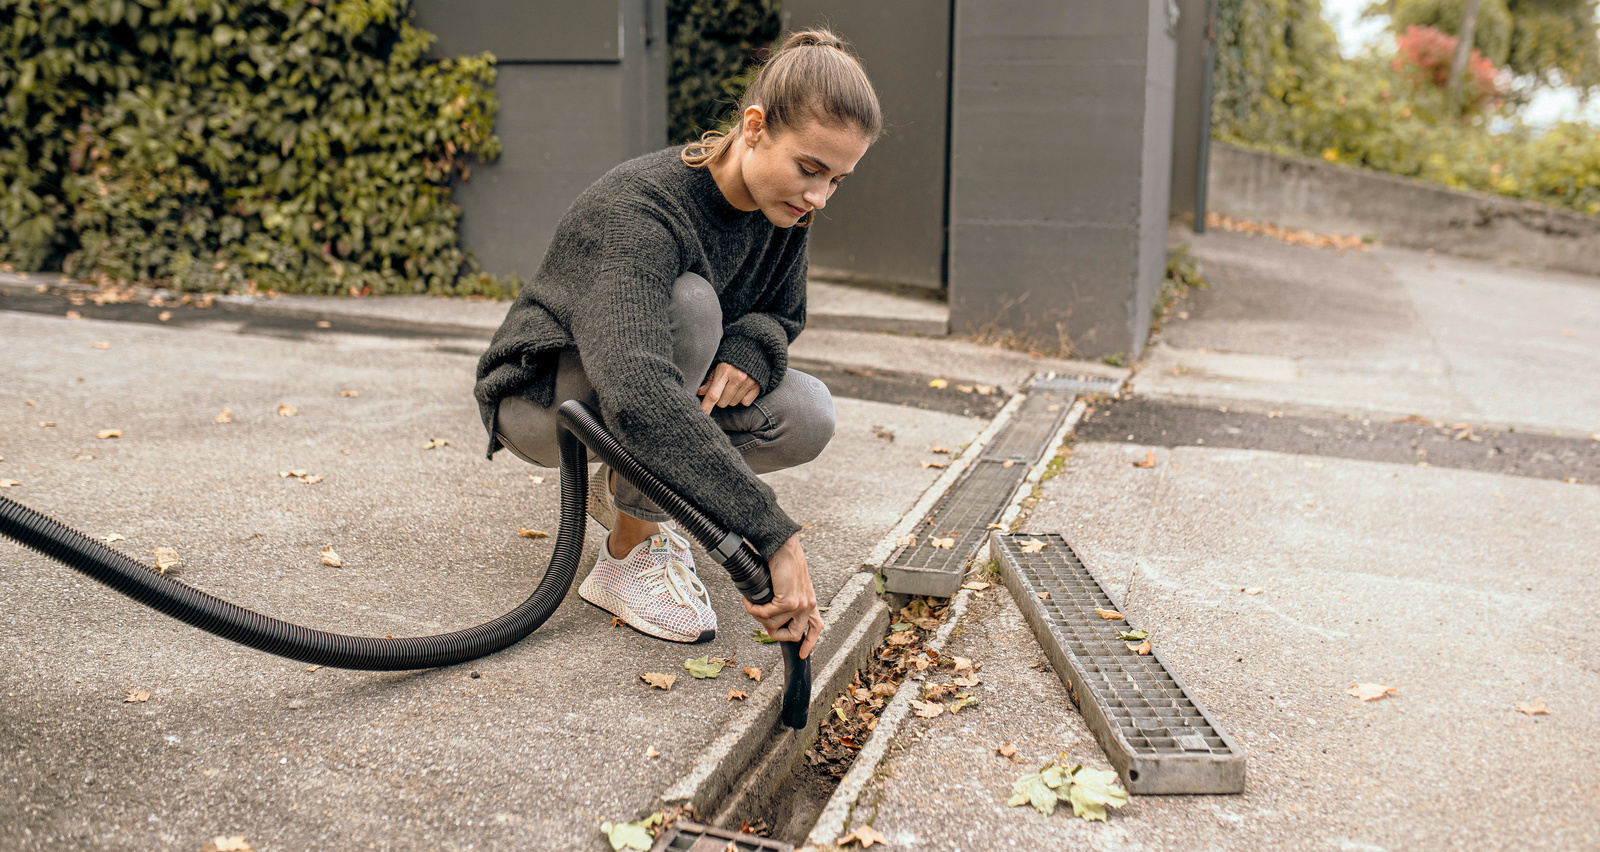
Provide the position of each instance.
(1033, 545)
(166, 559)
(330, 558)
(1149, 459)
(942, 543)
(651, 752)
(1109, 614)
(995, 527)
(865, 835)
(753, 673)
(904, 637)
(1044, 596)
(9, 483)
(83, 457)
(1007, 463)
(313, 668)
(659, 681)
(100, 344)
(736, 695)
(965, 388)
(311, 480)
(226, 416)
(617, 622)
(46, 424)
(1006, 750)
(1253, 590)
(349, 393)
(906, 541)
(1056, 407)
(1142, 649)
(1417, 419)
(985, 390)
(1371, 691)
(1534, 708)
(975, 585)
(112, 537)
(946, 450)
(108, 433)
(74, 315)
(164, 316)
(935, 464)
(537, 480)
(137, 696)
(961, 663)
(287, 410)
(967, 682)
(533, 533)
(857, 371)
(926, 710)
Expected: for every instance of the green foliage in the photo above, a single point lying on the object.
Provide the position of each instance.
(1492, 35)
(1543, 40)
(1364, 112)
(237, 144)
(714, 46)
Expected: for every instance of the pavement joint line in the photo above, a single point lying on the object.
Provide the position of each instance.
(1035, 475)
(914, 517)
(837, 811)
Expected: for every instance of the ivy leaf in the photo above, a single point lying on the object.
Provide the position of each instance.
(703, 667)
(1032, 790)
(1094, 790)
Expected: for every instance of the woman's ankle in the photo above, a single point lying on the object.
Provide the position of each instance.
(628, 533)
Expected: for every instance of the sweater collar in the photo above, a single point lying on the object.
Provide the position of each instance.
(710, 196)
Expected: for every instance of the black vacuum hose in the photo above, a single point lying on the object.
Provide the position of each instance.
(233, 622)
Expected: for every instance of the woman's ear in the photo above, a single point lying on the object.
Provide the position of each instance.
(752, 125)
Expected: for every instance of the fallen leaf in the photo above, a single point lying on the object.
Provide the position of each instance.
(938, 383)
(313, 668)
(74, 315)
(1093, 790)
(962, 701)
(237, 843)
(226, 416)
(905, 638)
(857, 371)
(942, 543)
(1006, 750)
(946, 450)
(736, 695)
(83, 457)
(1108, 614)
(1417, 419)
(617, 622)
(906, 541)
(985, 390)
(1033, 545)
(761, 636)
(9, 483)
(1133, 635)
(1044, 596)
(703, 667)
(330, 558)
(1370, 691)
(631, 835)
(865, 835)
(166, 559)
(287, 410)
(1149, 459)
(1007, 463)
(975, 585)
(537, 480)
(967, 682)
(112, 537)
(100, 344)
(753, 673)
(1056, 407)
(137, 696)
(965, 388)
(533, 533)
(927, 710)
(435, 443)
(1142, 649)
(46, 424)
(324, 324)
(349, 393)
(651, 752)
(164, 316)
(108, 433)
(935, 464)
(961, 663)
(1253, 590)
(658, 680)
(1031, 789)
(1535, 708)
(995, 527)
(311, 480)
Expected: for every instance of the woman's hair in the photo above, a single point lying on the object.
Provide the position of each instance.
(813, 76)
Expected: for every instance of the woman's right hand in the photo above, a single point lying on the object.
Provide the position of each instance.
(791, 615)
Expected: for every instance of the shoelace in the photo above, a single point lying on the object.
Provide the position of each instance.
(674, 577)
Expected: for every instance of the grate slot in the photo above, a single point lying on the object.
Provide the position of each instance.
(693, 837)
(1159, 738)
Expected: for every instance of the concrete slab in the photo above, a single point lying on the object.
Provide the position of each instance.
(1390, 331)
(546, 742)
(1466, 590)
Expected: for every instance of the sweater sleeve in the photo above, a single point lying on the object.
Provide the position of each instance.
(758, 342)
(624, 338)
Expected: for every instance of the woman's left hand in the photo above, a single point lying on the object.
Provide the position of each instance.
(727, 385)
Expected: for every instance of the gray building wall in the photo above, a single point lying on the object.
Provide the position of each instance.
(1058, 198)
(886, 222)
(581, 86)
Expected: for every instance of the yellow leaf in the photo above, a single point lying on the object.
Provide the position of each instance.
(287, 410)
(659, 681)
(1142, 649)
(753, 673)
(331, 558)
(1371, 691)
(9, 483)
(533, 533)
(108, 433)
(226, 416)
(1108, 614)
(1033, 545)
(166, 559)
(975, 585)
(736, 695)
(1535, 708)
(906, 541)
(938, 383)
(136, 696)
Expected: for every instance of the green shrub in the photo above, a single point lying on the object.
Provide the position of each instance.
(713, 48)
(238, 144)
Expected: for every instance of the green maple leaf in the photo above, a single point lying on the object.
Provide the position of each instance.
(631, 835)
(761, 636)
(1032, 790)
(702, 667)
(1093, 790)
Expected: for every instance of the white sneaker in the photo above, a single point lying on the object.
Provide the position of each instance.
(601, 506)
(654, 590)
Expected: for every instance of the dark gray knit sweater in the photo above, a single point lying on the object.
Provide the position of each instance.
(604, 287)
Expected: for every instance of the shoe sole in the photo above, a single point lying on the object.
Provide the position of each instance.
(627, 615)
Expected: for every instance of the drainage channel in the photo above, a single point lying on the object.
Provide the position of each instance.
(934, 560)
(1158, 736)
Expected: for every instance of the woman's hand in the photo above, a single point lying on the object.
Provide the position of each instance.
(792, 613)
(727, 385)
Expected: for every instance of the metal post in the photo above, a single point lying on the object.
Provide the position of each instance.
(1204, 169)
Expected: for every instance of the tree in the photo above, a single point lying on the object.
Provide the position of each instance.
(1549, 42)
(1458, 65)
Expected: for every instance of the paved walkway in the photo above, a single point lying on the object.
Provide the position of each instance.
(1457, 566)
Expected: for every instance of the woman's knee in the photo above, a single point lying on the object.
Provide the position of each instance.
(809, 417)
(696, 316)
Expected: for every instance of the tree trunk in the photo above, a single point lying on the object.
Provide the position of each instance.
(1458, 65)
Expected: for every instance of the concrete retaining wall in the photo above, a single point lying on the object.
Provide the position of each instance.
(1304, 193)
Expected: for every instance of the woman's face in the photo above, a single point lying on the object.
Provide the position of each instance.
(794, 172)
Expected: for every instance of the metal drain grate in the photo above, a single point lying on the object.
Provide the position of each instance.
(1080, 385)
(693, 837)
(976, 499)
(1157, 735)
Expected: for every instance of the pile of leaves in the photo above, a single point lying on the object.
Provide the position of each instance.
(856, 711)
(237, 145)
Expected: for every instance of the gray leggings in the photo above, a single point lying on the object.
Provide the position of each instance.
(786, 426)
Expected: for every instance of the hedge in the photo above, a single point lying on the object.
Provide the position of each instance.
(713, 48)
(238, 145)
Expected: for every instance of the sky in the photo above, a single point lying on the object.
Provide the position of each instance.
(1355, 35)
